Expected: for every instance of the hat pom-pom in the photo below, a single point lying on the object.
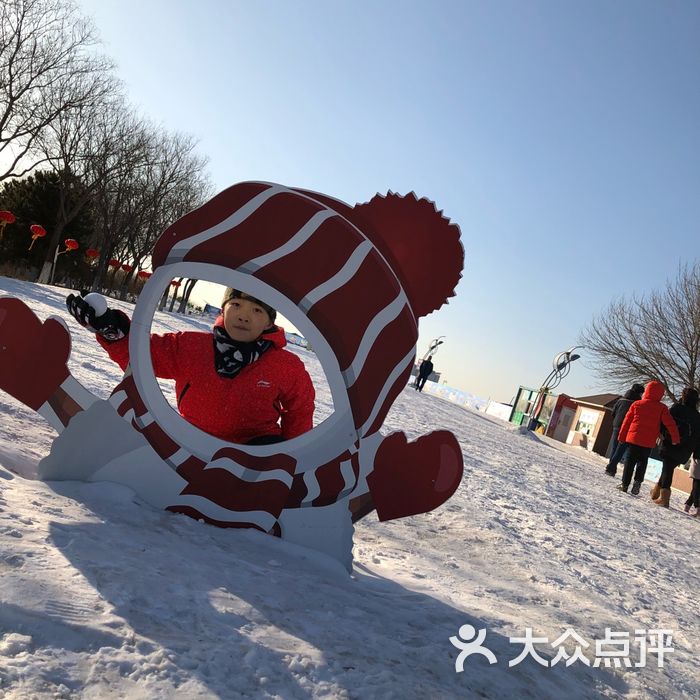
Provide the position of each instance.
(420, 244)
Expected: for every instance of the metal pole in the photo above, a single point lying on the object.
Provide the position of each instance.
(53, 267)
(561, 367)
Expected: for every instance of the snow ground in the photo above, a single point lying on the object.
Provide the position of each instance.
(102, 596)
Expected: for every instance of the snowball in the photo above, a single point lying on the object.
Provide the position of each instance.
(98, 302)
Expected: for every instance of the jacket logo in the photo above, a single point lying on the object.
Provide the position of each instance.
(265, 385)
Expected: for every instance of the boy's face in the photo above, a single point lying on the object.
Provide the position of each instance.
(244, 320)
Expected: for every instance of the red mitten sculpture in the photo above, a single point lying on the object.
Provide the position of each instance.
(33, 355)
(416, 477)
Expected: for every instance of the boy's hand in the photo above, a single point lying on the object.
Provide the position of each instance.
(91, 312)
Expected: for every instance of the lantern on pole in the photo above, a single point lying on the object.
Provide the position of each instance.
(6, 217)
(71, 244)
(127, 268)
(144, 274)
(37, 232)
(92, 254)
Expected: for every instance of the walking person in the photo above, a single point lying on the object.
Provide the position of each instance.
(424, 371)
(618, 449)
(694, 498)
(687, 419)
(640, 430)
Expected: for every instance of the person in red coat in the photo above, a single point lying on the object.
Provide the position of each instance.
(237, 383)
(640, 430)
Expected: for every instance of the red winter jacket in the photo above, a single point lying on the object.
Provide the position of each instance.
(642, 424)
(236, 409)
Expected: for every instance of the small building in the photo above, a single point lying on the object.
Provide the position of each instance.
(499, 410)
(523, 405)
(562, 418)
(592, 422)
(585, 421)
(210, 310)
(296, 339)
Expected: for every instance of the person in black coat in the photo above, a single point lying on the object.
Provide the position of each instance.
(687, 418)
(424, 371)
(618, 449)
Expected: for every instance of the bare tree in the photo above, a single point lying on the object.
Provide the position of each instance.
(652, 337)
(163, 185)
(47, 66)
(118, 201)
(178, 284)
(88, 146)
(186, 293)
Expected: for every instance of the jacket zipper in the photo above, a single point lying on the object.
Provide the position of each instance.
(182, 394)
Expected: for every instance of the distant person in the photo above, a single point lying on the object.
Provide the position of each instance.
(694, 498)
(685, 414)
(640, 430)
(424, 371)
(618, 449)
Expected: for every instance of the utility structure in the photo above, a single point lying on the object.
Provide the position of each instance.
(561, 366)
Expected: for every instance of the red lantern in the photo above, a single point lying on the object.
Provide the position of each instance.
(144, 274)
(114, 263)
(175, 284)
(71, 244)
(6, 217)
(92, 253)
(37, 232)
(127, 268)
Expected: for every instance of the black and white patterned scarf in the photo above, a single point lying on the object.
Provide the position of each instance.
(231, 356)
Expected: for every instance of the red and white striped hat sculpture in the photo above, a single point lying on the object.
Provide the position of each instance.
(354, 280)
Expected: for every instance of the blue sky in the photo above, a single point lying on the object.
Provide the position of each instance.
(562, 137)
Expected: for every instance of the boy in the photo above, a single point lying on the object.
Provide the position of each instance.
(237, 383)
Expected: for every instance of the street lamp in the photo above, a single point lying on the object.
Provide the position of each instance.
(434, 344)
(561, 366)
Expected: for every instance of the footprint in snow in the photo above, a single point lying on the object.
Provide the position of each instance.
(12, 561)
(10, 532)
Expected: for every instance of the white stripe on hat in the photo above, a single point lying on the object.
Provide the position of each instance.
(376, 326)
(406, 362)
(340, 279)
(181, 248)
(295, 242)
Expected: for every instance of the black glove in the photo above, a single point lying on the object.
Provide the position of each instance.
(111, 325)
